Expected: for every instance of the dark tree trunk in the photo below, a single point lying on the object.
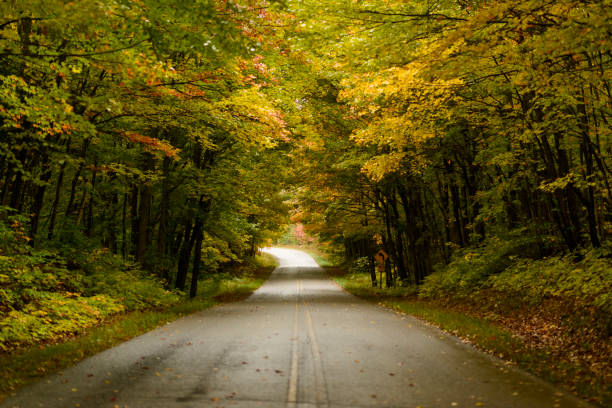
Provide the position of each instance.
(73, 188)
(124, 225)
(38, 202)
(163, 210)
(184, 255)
(144, 212)
(6, 188)
(197, 257)
(89, 217)
(56, 200)
(143, 221)
(134, 219)
(399, 247)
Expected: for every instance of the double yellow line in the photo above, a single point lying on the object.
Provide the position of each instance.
(293, 377)
(321, 396)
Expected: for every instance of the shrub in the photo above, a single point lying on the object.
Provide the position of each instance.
(48, 293)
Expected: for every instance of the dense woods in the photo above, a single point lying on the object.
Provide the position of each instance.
(145, 144)
(462, 123)
(137, 144)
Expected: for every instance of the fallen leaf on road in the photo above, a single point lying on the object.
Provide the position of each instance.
(214, 399)
(391, 374)
(74, 390)
(479, 404)
(157, 373)
(373, 395)
(454, 404)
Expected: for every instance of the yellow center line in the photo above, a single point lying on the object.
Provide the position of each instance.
(293, 378)
(320, 388)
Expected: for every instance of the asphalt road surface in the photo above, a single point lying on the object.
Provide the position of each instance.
(299, 341)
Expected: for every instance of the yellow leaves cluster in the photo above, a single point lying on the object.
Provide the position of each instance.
(265, 123)
(401, 109)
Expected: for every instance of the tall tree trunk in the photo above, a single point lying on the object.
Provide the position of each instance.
(56, 200)
(89, 217)
(124, 225)
(197, 256)
(6, 187)
(162, 232)
(184, 255)
(203, 209)
(399, 247)
(38, 202)
(143, 221)
(73, 187)
(134, 219)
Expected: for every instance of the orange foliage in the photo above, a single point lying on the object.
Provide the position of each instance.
(154, 144)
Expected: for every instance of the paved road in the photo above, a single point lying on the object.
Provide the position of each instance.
(300, 342)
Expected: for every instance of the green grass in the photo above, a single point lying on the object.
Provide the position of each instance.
(479, 332)
(29, 364)
(482, 334)
(361, 285)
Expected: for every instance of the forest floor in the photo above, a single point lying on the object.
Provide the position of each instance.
(533, 338)
(28, 364)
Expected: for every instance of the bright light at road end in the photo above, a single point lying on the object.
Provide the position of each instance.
(290, 257)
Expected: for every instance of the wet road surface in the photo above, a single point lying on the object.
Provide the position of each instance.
(299, 341)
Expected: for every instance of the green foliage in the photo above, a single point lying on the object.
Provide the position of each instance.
(361, 266)
(50, 316)
(132, 134)
(46, 295)
(588, 283)
(504, 269)
(471, 267)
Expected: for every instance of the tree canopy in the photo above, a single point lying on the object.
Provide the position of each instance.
(183, 135)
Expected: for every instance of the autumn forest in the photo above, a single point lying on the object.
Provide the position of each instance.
(148, 148)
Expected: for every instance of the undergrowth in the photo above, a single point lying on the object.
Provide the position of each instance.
(47, 294)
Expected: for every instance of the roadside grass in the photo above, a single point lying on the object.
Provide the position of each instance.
(483, 334)
(29, 364)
